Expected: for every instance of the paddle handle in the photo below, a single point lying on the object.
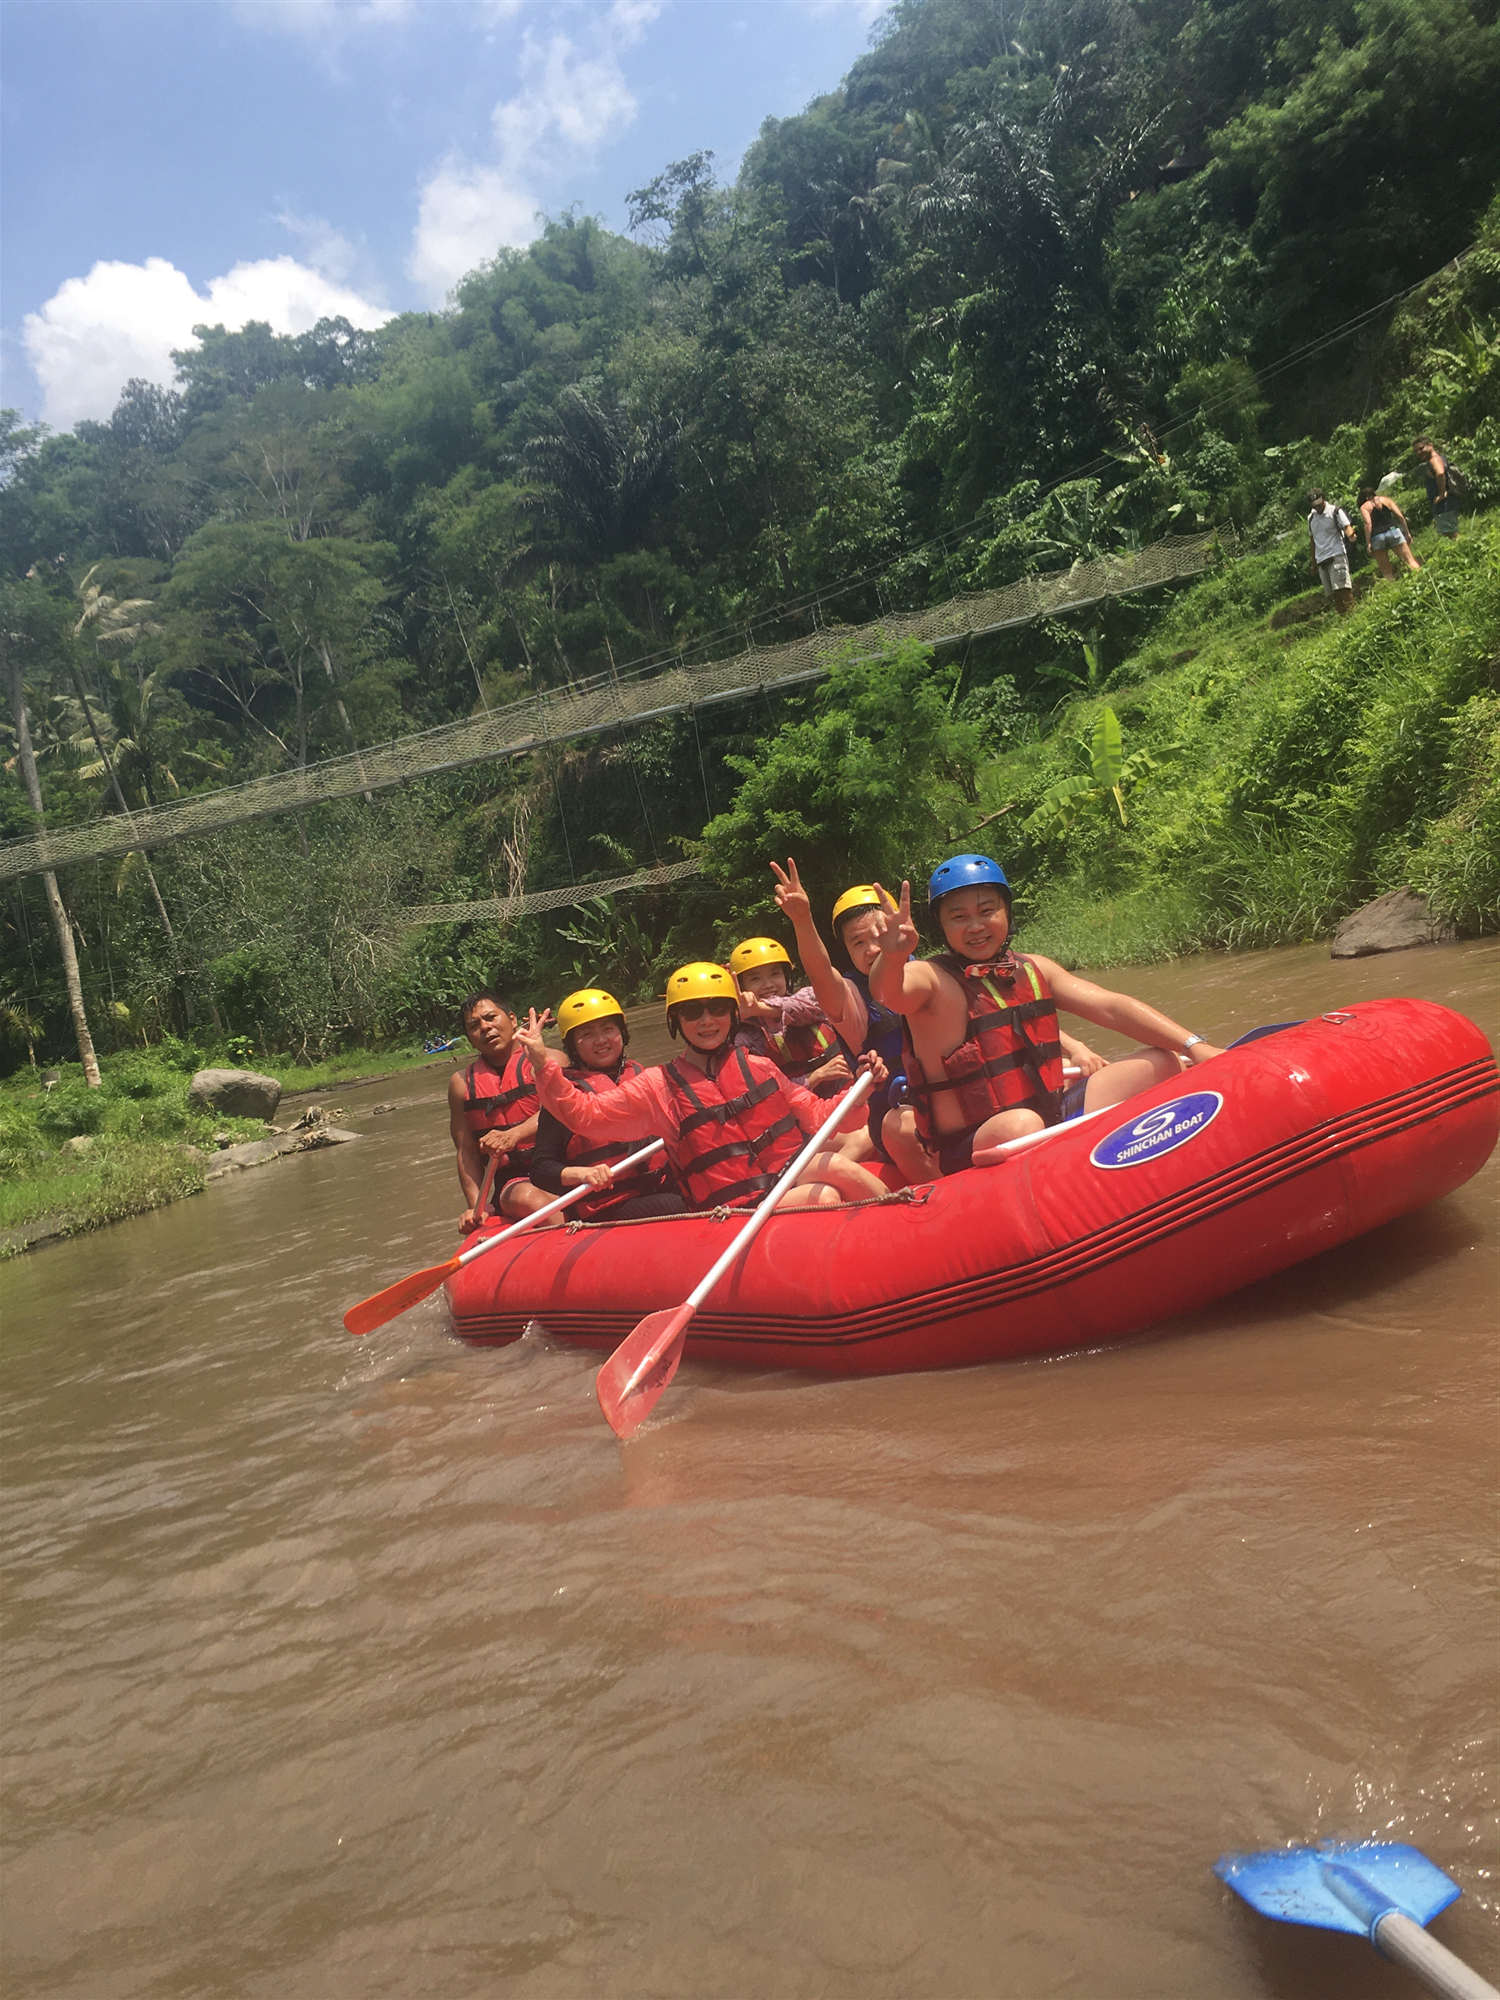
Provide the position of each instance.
(767, 1208)
(563, 1201)
(1396, 1936)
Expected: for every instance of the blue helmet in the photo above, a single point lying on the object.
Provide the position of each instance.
(965, 871)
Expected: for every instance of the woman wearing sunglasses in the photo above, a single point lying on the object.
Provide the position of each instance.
(731, 1121)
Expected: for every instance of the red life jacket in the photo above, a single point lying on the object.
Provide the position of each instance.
(1012, 1058)
(735, 1134)
(648, 1178)
(795, 1051)
(504, 1098)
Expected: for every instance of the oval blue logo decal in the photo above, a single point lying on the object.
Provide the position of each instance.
(1159, 1130)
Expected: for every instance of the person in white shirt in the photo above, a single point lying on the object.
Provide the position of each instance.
(1330, 535)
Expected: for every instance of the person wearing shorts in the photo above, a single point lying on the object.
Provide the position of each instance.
(1434, 470)
(1386, 533)
(1330, 535)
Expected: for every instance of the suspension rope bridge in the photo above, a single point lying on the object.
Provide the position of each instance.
(601, 703)
(503, 909)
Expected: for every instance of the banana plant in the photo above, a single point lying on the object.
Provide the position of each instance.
(1110, 775)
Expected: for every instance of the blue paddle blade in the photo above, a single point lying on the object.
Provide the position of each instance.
(1254, 1034)
(1340, 1885)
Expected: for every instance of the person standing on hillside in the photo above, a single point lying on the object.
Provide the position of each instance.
(1330, 535)
(1438, 477)
(1386, 532)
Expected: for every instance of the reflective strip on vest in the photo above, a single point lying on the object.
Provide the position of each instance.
(999, 1066)
(741, 1167)
(797, 1050)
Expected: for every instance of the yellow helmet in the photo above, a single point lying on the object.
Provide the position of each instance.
(589, 1003)
(863, 896)
(699, 981)
(757, 951)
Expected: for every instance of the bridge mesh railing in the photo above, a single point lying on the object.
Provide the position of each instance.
(504, 909)
(606, 701)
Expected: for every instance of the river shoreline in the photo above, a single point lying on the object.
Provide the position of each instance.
(160, 1173)
(170, 1171)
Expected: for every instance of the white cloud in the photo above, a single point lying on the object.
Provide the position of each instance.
(863, 10)
(569, 103)
(94, 333)
(465, 214)
(631, 18)
(565, 98)
(326, 249)
(322, 20)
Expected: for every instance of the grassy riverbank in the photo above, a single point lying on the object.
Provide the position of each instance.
(146, 1143)
(1295, 772)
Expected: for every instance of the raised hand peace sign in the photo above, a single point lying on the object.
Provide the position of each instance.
(529, 1035)
(791, 898)
(895, 933)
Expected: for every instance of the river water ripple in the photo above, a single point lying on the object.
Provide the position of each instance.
(380, 1668)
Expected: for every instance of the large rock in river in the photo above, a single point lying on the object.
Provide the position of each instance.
(1391, 923)
(238, 1093)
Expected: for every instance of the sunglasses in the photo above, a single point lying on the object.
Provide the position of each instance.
(694, 1010)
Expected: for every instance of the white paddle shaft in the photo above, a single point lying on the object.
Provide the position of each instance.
(1009, 1147)
(763, 1214)
(1397, 1936)
(562, 1201)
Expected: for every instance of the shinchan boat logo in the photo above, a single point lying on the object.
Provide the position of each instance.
(1158, 1131)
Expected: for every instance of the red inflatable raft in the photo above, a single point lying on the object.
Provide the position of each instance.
(1246, 1164)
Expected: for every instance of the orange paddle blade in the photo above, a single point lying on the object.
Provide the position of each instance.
(645, 1361)
(375, 1311)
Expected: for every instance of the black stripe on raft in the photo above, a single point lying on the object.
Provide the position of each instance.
(1369, 1125)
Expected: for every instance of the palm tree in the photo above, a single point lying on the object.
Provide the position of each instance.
(11, 645)
(121, 621)
(18, 1021)
(600, 472)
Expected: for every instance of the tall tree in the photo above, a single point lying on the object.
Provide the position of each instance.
(20, 616)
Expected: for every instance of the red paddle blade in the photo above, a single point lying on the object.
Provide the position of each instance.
(375, 1311)
(645, 1361)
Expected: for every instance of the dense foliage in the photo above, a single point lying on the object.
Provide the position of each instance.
(1034, 283)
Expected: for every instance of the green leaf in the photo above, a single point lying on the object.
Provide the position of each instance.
(1108, 752)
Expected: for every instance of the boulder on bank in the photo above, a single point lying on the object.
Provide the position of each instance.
(237, 1093)
(1391, 923)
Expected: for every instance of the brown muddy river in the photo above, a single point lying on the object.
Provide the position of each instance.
(338, 1668)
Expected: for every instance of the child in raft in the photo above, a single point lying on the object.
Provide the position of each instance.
(731, 1121)
(789, 1028)
(595, 1037)
(864, 1024)
(492, 1113)
(984, 1061)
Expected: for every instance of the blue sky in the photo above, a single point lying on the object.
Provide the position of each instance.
(173, 161)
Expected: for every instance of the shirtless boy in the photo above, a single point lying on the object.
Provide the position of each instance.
(980, 1020)
(859, 1018)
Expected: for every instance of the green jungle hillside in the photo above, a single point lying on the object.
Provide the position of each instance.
(1036, 282)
